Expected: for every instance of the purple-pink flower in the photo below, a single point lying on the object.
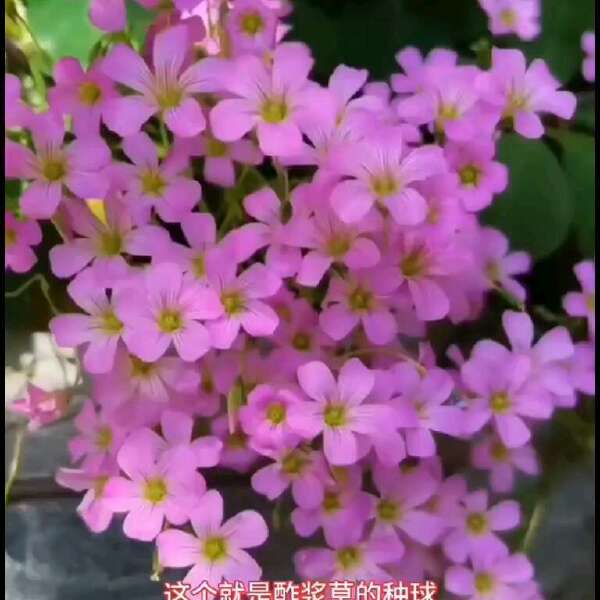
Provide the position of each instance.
(19, 237)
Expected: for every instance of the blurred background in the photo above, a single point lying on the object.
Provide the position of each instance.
(548, 210)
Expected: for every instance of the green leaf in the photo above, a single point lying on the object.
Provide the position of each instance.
(535, 211)
(579, 158)
(559, 44)
(139, 20)
(368, 33)
(63, 28)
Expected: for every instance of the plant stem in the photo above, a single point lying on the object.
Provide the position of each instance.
(15, 463)
(44, 286)
(534, 525)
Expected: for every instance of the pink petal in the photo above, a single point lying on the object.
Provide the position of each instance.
(176, 427)
(355, 382)
(177, 548)
(219, 170)
(126, 66)
(144, 522)
(208, 514)
(380, 327)
(41, 200)
(232, 118)
(259, 319)
(312, 269)
(193, 342)
(505, 515)
(108, 15)
(140, 149)
(247, 529)
(70, 258)
(528, 125)
(279, 139)
(269, 481)
(316, 380)
(340, 446)
(125, 116)
(431, 302)
(170, 48)
(519, 329)
(70, 330)
(351, 200)
(187, 120)
(460, 581)
(408, 207)
(337, 321)
(512, 430)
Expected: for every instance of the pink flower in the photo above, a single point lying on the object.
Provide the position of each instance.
(99, 438)
(521, 94)
(426, 266)
(303, 470)
(379, 172)
(82, 95)
(264, 417)
(344, 507)
(583, 304)
(103, 243)
(331, 241)
(418, 71)
(362, 297)
(161, 187)
(92, 509)
(236, 453)
(521, 17)
(101, 329)
(502, 462)
(588, 44)
(169, 90)
(271, 231)
(19, 236)
(473, 532)
(501, 390)
(401, 506)
(134, 379)
(449, 103)
(216, 549)
(40, 407)
(480, 177)
(422, 408)
(338, 410)
(276, 100)
(351, 558)
(53, 166)
(16, 112)
(219, 157)
(166, 311)
(492, 577)
(499, 266)
(251, 27)
(548, 355)
(241, 304)
(156, 487)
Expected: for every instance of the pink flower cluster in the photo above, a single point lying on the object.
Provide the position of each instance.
(285, 334)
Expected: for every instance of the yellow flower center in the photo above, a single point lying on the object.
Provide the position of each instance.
(500, 403)
(153, 183)
(301, 342)
(169, 97)
(293, 463)
(233, 303)
(99, 485)
(276, 414)
(516, 102)
(155, 490)
(448, 112)
(388, 511)
(335, 415)
(508, 17)
(349, 557)
(331, 502)
(274, 110)
(252, 23)
(413, 265)
(215, 148)
(590, 302)
(493, 271)
(10, 237)
(89, 93)
(384, 185)
(54, 170)
(170, 321)
(199, 266)
(215, 549)
(470, 176)
(104, 437)
(111, 243)
(477, 523)
(111, 324)
(499, 451)
(139, 368)
(360, 300)
(337, 246)
(207, 383)
(484, 583)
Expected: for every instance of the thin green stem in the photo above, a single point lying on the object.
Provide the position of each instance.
(44, 286)
(15, 463)
(534, 525)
